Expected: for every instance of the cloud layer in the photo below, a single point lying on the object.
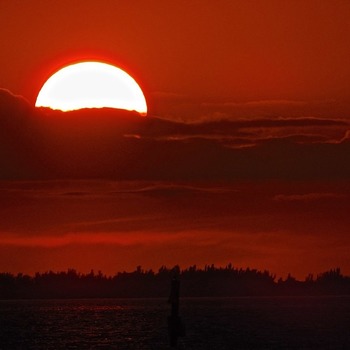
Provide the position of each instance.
(107, 143)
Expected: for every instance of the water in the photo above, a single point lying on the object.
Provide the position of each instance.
(213, 323)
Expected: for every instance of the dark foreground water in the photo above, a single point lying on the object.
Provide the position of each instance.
(233, 323)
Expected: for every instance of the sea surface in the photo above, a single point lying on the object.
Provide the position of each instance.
(211, 323)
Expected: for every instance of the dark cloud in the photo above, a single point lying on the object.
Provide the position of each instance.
(13, 103)
(20, 144)
(116, 144)
(272, 109)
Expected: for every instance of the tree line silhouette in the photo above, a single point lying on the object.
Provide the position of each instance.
(211, 281)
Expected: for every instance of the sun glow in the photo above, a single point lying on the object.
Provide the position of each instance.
(91, 85)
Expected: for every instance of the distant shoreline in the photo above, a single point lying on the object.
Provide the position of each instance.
(209, 282)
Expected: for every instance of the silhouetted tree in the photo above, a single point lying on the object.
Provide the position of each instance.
(210, 281)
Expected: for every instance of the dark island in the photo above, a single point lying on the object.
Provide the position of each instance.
(211, 281)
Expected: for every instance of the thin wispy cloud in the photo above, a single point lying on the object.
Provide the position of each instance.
(309, 197)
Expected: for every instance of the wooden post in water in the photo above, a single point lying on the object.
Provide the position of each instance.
(175, 325)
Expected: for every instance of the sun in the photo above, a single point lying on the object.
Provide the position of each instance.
(91, 85)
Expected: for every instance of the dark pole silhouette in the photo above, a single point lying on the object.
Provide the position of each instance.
(175, 325)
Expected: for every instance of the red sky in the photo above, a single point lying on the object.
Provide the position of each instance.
(241, 57)
(111, 225)
(244, 157)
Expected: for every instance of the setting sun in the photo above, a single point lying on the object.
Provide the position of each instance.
(91, 85)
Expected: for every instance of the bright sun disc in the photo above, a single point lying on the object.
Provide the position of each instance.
(91, 85)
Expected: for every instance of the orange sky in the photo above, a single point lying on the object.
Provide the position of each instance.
(244, 157)
(186, 54)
